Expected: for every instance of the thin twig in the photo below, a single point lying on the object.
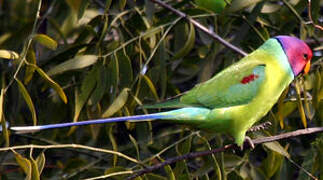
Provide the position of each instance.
(27, 44)
(225, 148)
(310, 16)
(77, 146)
(201, 27)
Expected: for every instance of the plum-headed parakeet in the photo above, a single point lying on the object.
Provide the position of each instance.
(234, 99)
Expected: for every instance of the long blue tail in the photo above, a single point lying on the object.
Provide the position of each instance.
(30, 129)
(190, 113)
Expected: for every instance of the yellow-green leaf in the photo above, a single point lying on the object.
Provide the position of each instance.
(31, 58)
(280, 107)
(237, 5)
(6, 54)
(34, 171)
(275, 146)
(1, 103)
(77, 62)
(114, 144)
(300, 104)
(28, 100)
(74, 5)
(5, 133)
(40, 160)
(88, 85)
(25, 165)
(170, 173)
(189, 44)
(151, 86)
(215, 6)
(118, 103)
(46, 41)
(52, 83)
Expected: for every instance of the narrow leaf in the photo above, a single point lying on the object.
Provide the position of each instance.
(117, 104)
(6, 54)
(52, 83)
(77, 62)
(189, 44)
(31, 58)
(28, 100)
(88, 85)
(237, 5)
(151, 86)
(280, 107)
(40, 160)
(25, 165)
(34, 171)
(46, 41)
(114, 144)
(4, 125)
(300, 104)
(135, 143)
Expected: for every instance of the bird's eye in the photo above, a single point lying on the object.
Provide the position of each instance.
(305, 56)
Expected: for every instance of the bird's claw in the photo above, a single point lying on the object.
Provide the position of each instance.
(247, 142)
(259, 127)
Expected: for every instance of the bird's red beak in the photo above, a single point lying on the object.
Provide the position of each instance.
(307, 67)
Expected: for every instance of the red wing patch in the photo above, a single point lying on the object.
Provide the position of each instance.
(249, 78)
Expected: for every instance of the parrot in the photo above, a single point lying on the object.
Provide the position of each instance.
(232, 100)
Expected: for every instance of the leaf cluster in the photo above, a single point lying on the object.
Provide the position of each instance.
(65, 61)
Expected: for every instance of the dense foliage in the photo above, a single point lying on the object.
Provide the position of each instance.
(65, 61)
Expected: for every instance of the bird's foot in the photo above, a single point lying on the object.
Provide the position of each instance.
(259, 127)
(247, 143)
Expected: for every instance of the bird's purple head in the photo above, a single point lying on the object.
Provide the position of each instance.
(298, 53)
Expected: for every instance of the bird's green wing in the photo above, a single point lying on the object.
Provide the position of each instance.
(236, 85)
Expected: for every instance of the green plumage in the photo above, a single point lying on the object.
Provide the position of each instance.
(234, 99)
(231, 105)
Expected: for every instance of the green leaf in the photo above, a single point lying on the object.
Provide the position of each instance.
(6, 54)
(282, 109)
(114, 144)
(126, 73)
(25, 165)
(88, 85)
(189, 44)
(272, 163)
(275, 146)
(52, 83)
(28, 100)
(101, 84)
(117, 104)
(151, 86)
(169, 172)
(300, 104)
(77, 62)
(4, 127)
(135, 143)
(31, 58)
(238, 5)
(122, 4)
(46, 41)
(40, 160)
(35, 172)
(215, 6)
(74, 5)
(78, 6)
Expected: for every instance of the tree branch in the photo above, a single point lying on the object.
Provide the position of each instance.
(201, 27)
(225, 148)
(310, 16)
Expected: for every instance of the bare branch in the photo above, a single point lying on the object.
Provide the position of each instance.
(201, 27)
(310, 16)
(225, 148)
